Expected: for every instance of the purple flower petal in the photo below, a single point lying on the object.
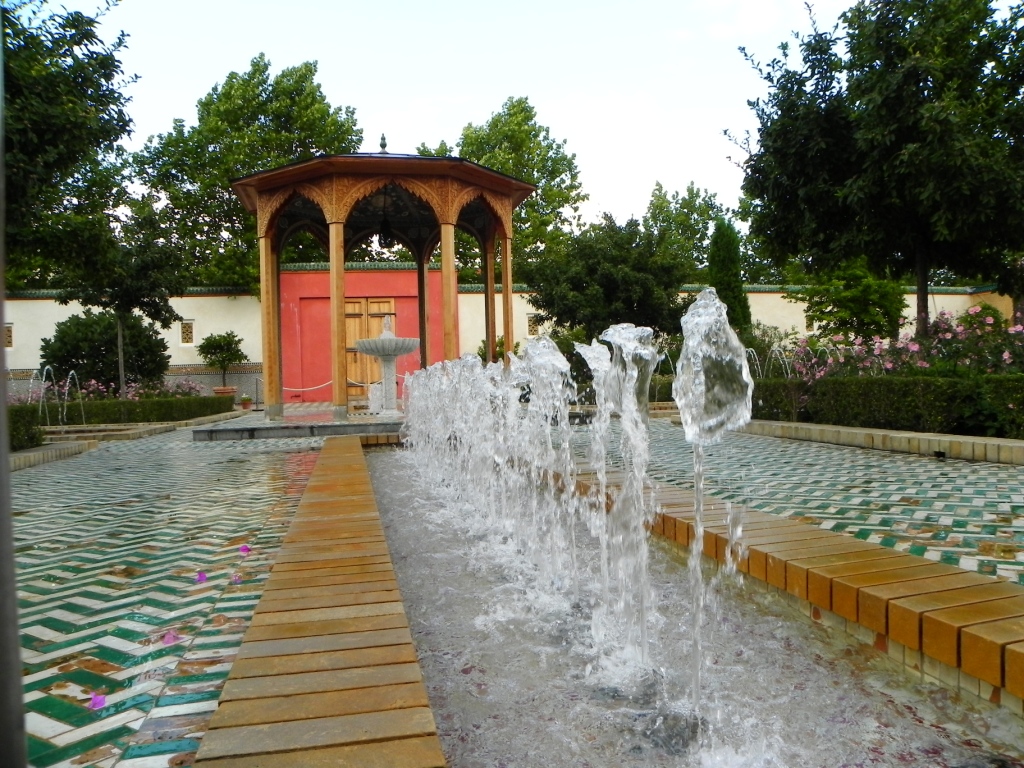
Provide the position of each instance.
(98, 701)
(244, 549)
(200, 577)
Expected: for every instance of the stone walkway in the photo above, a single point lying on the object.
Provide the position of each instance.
(135, 590)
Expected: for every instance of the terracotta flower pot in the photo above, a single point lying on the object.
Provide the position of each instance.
(225, 390)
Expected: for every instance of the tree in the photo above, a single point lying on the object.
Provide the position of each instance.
(250, 123)
(64, 114)
(905, 148)
(852, 301)
(221, 351)
(681, 225)
(138, 272)
(87, 344)
(610, 273)
(513, 143)
(724, 273)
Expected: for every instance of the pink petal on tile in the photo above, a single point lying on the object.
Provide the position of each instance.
(200, 577)
(236, 578)
(98, 701)
(171, 637)
(244, 549)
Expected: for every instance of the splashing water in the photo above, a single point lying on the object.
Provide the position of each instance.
(634, 357)
(713, 390)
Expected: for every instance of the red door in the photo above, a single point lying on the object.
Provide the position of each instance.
(315, 345)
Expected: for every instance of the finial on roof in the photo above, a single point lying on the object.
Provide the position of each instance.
(383, 145)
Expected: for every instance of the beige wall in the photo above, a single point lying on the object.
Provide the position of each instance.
(773, 309)
(471, 319)
(34, 319)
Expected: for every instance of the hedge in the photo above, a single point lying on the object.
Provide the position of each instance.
(23, 430)
(990, 406)
(140, 411)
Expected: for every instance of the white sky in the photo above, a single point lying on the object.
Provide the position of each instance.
(640, 89)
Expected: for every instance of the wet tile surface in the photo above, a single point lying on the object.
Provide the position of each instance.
(964, 513)
(135, 589)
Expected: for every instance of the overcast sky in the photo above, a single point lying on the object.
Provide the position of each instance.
(640, 89)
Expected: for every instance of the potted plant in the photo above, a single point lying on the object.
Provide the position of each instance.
(222, 350)
(246, 402)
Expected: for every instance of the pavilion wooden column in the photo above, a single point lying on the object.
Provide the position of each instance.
(270, 315)
(339, 343)
(490, 335)
(422, 286)
(506, 295)
(449, 292)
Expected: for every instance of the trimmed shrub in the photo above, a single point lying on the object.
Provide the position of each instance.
(991, 406)
(779, 399)
(23, 427)
(87, 345)
(149, 410)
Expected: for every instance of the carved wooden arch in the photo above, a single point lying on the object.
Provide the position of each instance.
(498, 206)
(270, 204)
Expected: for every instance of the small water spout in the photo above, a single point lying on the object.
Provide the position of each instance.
(713, 390)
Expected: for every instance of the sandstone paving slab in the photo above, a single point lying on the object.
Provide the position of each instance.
(363, 575)
(314, 733)
(940, 630)
(982, 648)
(846, 589)
(422, 752)
(313, 628)
(276, 709)
(905, 614)
(318, 643)
(323, 661)
(873, 602)
(324, 590)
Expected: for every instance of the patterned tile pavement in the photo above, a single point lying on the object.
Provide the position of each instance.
(969, 514)
(135, 588)
(126, 646)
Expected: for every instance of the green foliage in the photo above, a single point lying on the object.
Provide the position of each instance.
(150, 410)
(990, 406)
(762, 340)
(661, 388)
(499, 350)
(681, 225)
(63, 116)
(850, 300)
(141, 274)
(249, 123)
(779, 399)
(514, 143)
(724, 273)
(607, 274)
(87, 345)
(221, 350)
(23, 430)
(899, 138)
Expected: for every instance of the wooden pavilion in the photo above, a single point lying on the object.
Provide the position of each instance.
(418, 202)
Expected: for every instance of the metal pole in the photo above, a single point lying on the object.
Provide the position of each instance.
(12, 718)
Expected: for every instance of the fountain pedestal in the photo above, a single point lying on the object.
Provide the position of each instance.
(388, 348)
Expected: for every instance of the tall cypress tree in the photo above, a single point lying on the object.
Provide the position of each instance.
(724, 272)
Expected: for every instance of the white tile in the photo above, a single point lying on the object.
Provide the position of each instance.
(43, 726)
(191, 708)
(107, 724)
(118, 644)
